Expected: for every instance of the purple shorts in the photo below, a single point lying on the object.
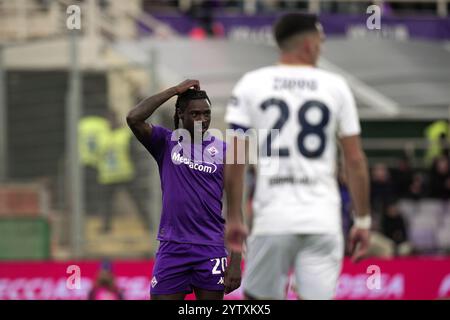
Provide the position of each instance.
(179, 267)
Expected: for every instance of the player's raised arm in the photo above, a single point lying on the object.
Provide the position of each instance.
(358, 181)
(138, 115)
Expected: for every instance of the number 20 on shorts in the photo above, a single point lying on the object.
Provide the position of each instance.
(219, 262)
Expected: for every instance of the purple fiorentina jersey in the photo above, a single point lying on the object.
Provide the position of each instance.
(192, 188)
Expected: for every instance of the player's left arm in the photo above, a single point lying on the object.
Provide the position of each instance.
(358, 180)
(357, 172)
(235, 229)
(234, 169)
(233, 273)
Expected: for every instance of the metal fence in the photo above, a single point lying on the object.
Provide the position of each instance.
(41, 109)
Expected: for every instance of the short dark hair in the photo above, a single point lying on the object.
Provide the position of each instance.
(292, 24)
(183, 101)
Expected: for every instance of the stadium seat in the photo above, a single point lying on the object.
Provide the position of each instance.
(423, 226)
(408, 207)
(432, 206)
(423, 239)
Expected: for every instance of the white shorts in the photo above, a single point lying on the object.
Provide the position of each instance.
(315, 259)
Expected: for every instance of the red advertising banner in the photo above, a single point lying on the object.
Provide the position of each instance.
(401, 279)
(406, 278)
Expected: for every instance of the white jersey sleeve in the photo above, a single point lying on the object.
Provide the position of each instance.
(238, 108)
(348, 120)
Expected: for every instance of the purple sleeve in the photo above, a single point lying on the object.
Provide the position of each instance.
(158, 142)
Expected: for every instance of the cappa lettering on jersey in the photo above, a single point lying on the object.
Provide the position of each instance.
(291, 180)
(294, 84)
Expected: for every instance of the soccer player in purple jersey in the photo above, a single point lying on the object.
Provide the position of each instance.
(192, 254)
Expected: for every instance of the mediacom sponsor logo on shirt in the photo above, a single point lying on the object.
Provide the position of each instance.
(178, 159)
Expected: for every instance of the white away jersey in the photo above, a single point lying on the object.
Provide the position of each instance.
(296, 191)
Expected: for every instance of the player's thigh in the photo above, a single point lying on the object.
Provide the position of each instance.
(267, 264)
(202, 294)
(318, 265)
(175, 296)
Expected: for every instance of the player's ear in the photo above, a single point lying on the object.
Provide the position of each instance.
(307, 45)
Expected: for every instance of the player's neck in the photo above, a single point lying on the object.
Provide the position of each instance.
(295, 61)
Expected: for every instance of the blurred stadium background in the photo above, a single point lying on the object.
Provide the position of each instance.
(52, 78)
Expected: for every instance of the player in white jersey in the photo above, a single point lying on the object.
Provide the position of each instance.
(297, 220)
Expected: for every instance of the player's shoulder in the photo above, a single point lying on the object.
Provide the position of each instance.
(161, 129)
(332, 77)
(161, 132)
